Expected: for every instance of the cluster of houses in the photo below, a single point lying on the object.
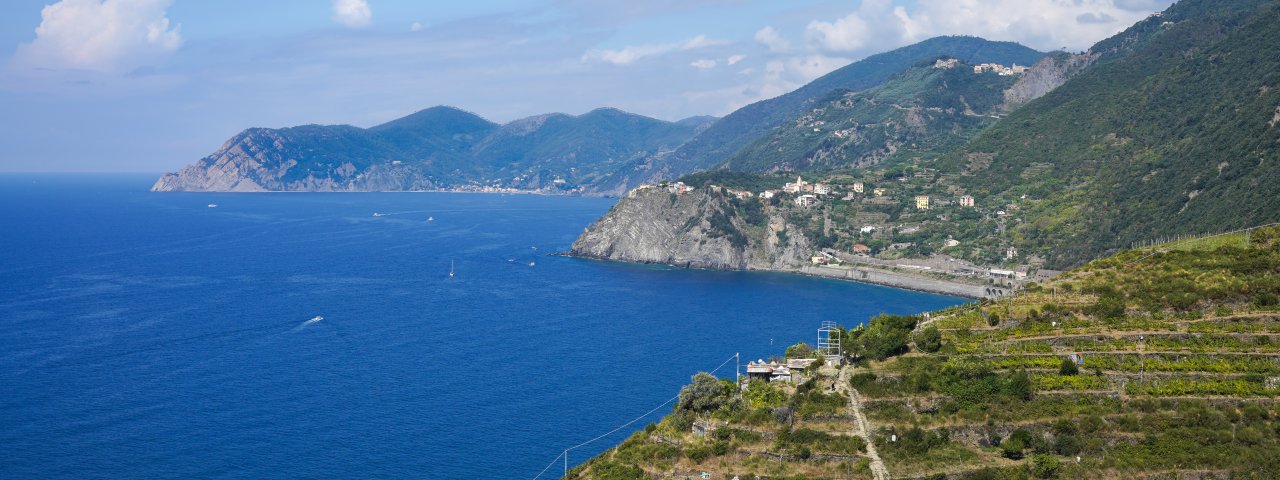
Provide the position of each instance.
(776, 371)
(809, 192)
(922, 201)
(999, 69)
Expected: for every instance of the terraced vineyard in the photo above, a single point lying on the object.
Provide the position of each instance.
(1155, 363)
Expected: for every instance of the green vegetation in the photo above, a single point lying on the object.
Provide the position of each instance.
(922, 111)
(1151, 398)
(752, 122)
(1163, 137)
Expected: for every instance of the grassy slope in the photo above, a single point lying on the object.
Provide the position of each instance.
(1180, 372)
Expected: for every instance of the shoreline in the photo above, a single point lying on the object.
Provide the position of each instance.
(869, 276)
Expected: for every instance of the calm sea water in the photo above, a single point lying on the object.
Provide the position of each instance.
(146, 335)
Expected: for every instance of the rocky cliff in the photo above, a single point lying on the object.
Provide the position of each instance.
(703, 228)
(1049, 73)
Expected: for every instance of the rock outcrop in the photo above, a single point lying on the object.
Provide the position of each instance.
(1049, 73)
(698, 229)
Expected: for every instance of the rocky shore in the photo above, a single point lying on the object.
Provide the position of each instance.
(696, 229)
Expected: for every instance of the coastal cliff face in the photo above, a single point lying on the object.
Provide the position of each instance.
(699, 229)
(259, 160)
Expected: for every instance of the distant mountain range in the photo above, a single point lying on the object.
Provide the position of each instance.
(603, 152)
(437, 148)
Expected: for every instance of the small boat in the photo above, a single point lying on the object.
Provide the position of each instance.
(315, 319)
(431, 219)
(376, 214)
(213, 205)
(531, 264)
(450, 267)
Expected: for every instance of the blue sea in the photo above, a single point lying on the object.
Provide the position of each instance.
(146, 335)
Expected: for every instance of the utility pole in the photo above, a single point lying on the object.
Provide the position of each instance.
(737, 369)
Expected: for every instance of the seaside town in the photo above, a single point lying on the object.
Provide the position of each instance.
(900, 222)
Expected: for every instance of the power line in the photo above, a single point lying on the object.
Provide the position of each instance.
(565, 453)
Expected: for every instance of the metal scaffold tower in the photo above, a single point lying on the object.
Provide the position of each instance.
(829, 342)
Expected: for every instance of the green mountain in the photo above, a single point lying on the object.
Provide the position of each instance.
(747, 124)
(1170, 128)
(437, 148)
(1175, 131)
(928, 109)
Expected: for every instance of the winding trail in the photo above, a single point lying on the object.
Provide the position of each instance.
(878, 472)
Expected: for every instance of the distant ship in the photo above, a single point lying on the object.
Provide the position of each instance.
(532, 263)
(213, 205)
(450, 267)
(431, 219)
(376, 214)
(314, 319)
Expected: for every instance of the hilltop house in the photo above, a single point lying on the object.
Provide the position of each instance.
(679, 188)
(966, 201)
(778, 371)
(767, 194)
(879, 192)
(806, 200)
(858, 187)
(861, 249)
(821, 189)
(922, 202)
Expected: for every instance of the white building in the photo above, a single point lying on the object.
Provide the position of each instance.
(797, 186)
(859, 187)
(867, 229)
(767, 194)
(966, 201)
(821, 189)
(806, 200)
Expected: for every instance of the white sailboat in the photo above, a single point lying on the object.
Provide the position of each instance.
(450, 267)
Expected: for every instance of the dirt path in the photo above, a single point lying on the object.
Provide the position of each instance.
(878, 472)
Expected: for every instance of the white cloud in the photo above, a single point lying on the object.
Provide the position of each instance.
(415, 27)
(734, 59)
(352, 13)
(629, 54)
(771, 39)
(100, 35)
(703, 64)
(879, 25)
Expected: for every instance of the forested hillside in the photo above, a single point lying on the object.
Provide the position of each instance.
(1177, 133)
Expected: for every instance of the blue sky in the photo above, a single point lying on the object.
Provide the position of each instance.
(150, 85)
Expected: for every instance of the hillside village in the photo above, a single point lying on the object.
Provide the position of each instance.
(897, 220)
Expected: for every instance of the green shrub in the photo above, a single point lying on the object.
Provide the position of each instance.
(1068, 367)
(929, 340)
(1045, 466)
